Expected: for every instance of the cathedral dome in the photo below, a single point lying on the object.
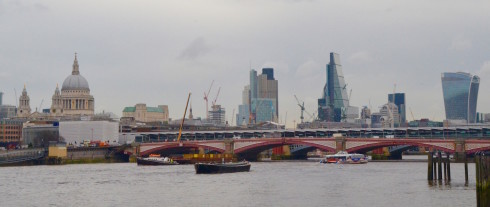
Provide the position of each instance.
(75, 81)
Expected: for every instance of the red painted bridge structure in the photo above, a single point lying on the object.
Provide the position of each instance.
(251, 147)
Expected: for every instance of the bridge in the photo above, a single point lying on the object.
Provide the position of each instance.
(249, 148)
(471, 132)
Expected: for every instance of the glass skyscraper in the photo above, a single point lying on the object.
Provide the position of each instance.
(269, 72)
(399, 100)
(243, 115)
(334, 99)
(261, 98)
(460, 91)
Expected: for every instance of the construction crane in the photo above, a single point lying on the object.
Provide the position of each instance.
(206, 99)
(350, 94)
(302, 107)
(232, 117)
(16, 104)
(41, 105)
(216, 99)
(285, 119)
(183, 118)
(413, 118)
(312, 116)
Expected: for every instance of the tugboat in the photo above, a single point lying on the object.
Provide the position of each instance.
(155, 159)
(212, 168)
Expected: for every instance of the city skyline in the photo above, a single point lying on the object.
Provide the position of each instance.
(202, 48)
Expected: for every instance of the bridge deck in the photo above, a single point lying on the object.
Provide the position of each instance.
(422, 133)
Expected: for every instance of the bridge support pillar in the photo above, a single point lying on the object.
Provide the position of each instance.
(459, 154)
(340, 144)
(229, 146)
(201, 150)
(395, 156)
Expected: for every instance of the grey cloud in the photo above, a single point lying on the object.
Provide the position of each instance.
(197, 48)
(20, 6)
(460, 43)
(361, 56)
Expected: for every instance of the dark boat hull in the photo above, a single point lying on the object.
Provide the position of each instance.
(151, 162)
(210, 168)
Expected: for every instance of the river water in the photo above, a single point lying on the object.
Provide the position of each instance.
(267, 184)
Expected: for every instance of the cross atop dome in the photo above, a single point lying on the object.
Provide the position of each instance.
(75, 70)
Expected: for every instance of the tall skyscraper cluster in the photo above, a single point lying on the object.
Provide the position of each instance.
(260, 101)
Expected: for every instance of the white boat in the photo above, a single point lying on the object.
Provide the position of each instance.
(346, 158)
(155, 160)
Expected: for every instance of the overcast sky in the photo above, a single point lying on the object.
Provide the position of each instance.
(155, 52)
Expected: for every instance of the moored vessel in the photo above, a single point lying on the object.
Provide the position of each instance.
(155, 160)
(211, 168)
(346, 158)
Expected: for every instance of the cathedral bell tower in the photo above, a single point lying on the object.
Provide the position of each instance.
(24, 104)
(57, 104)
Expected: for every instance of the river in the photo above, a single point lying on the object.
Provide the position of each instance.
(267, 184)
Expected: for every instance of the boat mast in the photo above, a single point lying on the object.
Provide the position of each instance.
(183, 118)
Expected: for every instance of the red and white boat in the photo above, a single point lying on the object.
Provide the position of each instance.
(346, 158)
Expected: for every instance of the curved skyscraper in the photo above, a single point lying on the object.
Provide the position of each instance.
(460, 92)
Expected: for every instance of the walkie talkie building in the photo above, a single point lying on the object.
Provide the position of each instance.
(460, 91)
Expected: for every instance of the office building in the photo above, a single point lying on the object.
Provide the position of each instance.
(10, 131)
(264, 109)
(263, 96)
(460, 91)
(38, 134)
(217, 115)
(399, 100)
(246, 95)
(142, 113)
(334, 106)
(242, 117)
(390, 114)
(75, 132)
(7, 111)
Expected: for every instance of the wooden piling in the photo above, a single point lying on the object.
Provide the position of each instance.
(444, 161)
(434, 165)
(482, 163)
(439, 166)
(430, 167)
(448, 168)
(465, 169)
